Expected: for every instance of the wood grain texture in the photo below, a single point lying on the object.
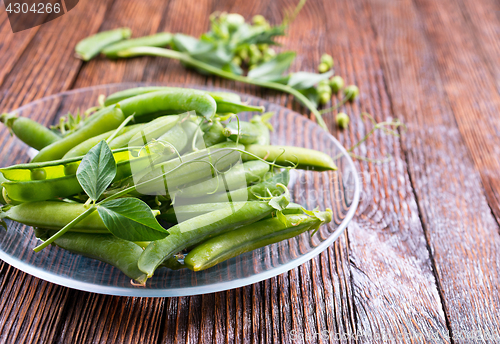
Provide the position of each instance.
(470, 86)
(423, 233)
(459, 225)
(12, 45)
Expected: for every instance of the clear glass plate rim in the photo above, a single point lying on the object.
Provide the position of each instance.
(186, 291)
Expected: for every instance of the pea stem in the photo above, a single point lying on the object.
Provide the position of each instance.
(66, 228)
(124, 123)
(342, 102)
(168, 53)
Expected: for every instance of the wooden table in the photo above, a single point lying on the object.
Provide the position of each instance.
(421, 259)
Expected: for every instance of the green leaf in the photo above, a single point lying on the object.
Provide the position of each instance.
(185, 43)
(214, 54)
(305, 80)
(274, 68)
(311, 94)
(280, 202)
(131, 219)
(257, 34)
(97, 170)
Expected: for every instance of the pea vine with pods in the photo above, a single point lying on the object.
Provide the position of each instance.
(236, 50)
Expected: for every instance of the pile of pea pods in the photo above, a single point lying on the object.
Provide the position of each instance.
(214, 182)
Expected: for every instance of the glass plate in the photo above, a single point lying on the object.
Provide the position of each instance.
(337, 190)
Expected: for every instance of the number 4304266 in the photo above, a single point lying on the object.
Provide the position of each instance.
(34, 8)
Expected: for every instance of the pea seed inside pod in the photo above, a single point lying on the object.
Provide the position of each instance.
(38, 174)
(70, 169)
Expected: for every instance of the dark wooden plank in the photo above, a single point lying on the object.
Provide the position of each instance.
(394, 288)
(452, 201)
(482, 23)
(46, 66)
(12, 45)
(464, 60)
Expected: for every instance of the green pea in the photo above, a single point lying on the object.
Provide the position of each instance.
(324, 88)
(323, 67)
(70, 169)
(214, 134)
(234, 21)
(38, 174)
(157, 40)
(324, 98)
(263, 47)
(336, 83)
(342, 120)
(351, 92)
(237, 60)
(243, 53)
(262, 125)
(269, 54)
(259, 19)
(254, 51)
(328, 60)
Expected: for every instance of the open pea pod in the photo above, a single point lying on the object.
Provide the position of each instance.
(55, 179)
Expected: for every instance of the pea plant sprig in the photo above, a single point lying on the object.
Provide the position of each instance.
(241, 51)
(233, 48)
(127, 218)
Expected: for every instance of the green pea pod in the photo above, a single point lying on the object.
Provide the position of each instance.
(226, 102)
(157, 40)
(170, 144)
(302, 158)
(224, 106)
(107, 248)
(193, 132)
(189, 169)
(54, 215)
(214, 134)
(91, 46)
(251, 237)
(185, 212)
(30, 132)
(60, 177)
(180, 99)
(263, 127)
(247, 132)
(253, 192)
(84, 147)
(199, 229)
(109, 120)
(238, 176)
(2, 199)
(141, 135)
(132, 92)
